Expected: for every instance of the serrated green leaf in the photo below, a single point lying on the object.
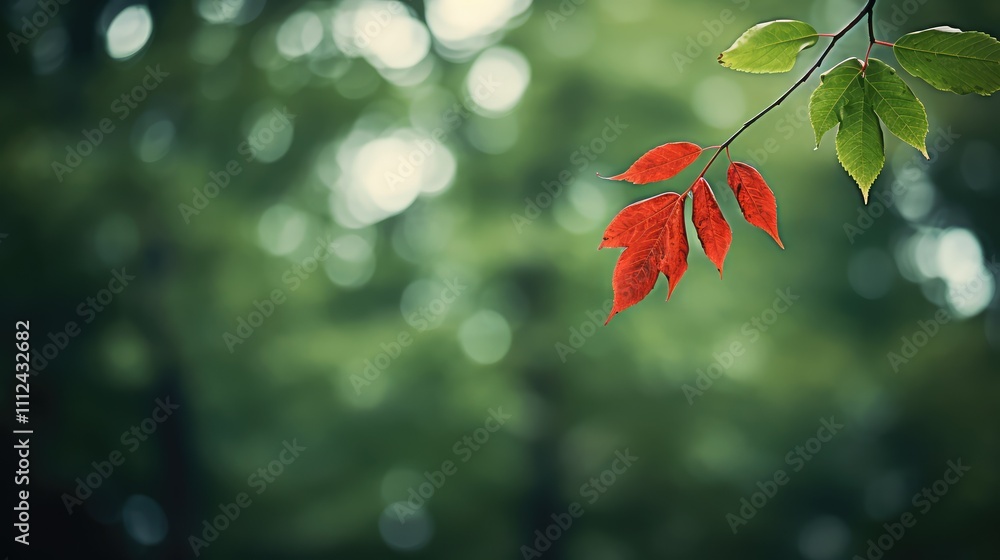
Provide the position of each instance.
(827, 102)
(903, 114)
(769, 48)
(860, 146)
(952, 60)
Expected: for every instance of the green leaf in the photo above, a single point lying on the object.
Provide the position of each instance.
(860, 146)
(903, 114)
(827, 102)
(769, 48)
(952, 60)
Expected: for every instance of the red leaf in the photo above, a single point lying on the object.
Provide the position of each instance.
(674, 263)
(711, 225)
(661, 163)
(755, 198)
(655, 240)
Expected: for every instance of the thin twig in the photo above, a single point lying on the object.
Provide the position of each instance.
(866, 11)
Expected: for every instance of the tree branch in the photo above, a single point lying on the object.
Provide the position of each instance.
(866, 11)
(871, 25)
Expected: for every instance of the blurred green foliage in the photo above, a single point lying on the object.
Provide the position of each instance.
(521, 332)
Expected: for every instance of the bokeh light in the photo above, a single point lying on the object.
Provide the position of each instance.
(144, 520)
(129, 31)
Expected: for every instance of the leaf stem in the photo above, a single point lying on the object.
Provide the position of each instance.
(866, 11)
(885, 44)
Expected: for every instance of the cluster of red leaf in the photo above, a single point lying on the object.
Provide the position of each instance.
(653, 231)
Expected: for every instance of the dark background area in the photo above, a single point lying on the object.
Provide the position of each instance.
(454, 308)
